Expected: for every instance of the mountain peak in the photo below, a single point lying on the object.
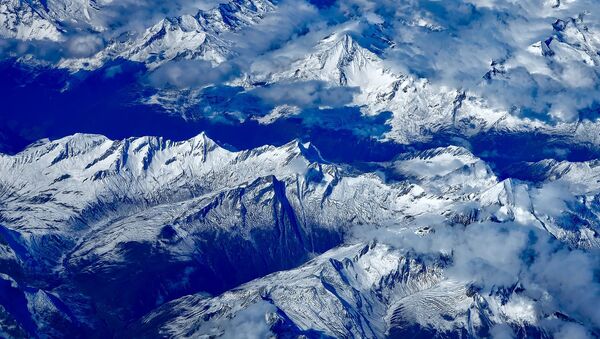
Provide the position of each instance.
(339, 60)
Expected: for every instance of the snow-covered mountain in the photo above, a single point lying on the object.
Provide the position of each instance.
(443, 179)
(419, 107)
(358, 291)
(199, 37)
(85, 216)
(103, 205)
(48, 20)
(558, 64)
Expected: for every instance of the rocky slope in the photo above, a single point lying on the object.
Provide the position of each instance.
(84, 216)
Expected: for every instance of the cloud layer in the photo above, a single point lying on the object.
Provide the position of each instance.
(454, 43)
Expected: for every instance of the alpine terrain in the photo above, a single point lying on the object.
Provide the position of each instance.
(300, 169)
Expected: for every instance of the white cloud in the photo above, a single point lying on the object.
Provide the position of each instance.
(191, 73)
(493, 255)
(573, 331)
(84, 45)
(249, 323)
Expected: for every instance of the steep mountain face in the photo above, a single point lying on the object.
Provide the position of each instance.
(172, 218)
(27, 20)
(358, 291)
(192, 209)
(345, 292)
(49, 20)
(149, 198)
(418, 108)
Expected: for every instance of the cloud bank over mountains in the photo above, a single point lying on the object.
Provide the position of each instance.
(380, 168)
(534, 58)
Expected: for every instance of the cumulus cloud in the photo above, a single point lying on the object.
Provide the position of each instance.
(287, 28)
(452, 43)
(84, 45)
(249, 323)
(502, 331)
(573, 331)
(305, 94)
(550, 199)
(455, 43)
(42, 50)
(569, 275)
(290, 20)
(73, 45)
(191, 73)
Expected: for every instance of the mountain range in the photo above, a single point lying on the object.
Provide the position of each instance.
(299, 169)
